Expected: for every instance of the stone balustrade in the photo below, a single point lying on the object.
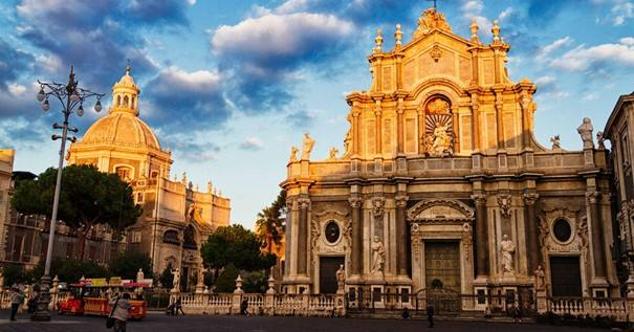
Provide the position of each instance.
(265, 304)
(618, 308)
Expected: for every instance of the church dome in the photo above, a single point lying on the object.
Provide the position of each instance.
(122, 126)
(122, 129)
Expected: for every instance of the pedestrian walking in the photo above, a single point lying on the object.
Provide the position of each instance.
(17, 298)
(430, 315)
(244, 306)
(33, 299)
(120, 306)
(178, 306)
(405, 314)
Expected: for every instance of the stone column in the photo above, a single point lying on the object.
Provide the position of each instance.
(499, 111)
(532, 247)
(481, 242)
(289, 238)
(302, 237)
(357, 236)
(597, 234)
(401, 235)
(400, 148)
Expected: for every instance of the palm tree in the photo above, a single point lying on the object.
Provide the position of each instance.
(271, 222)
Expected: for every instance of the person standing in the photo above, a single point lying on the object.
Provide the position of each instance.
(430, 315)
(120, 312)
(16, 301)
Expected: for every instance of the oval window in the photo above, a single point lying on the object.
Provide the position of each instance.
(332, 232)
(562, 230)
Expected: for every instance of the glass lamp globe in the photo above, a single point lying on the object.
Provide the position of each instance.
(80, 110)
(45, 105)
(41, 95)
(98, 106)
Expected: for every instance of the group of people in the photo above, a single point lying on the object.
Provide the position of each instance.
(18, 295)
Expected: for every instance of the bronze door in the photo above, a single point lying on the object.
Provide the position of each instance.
(565, 275)
(442, 265)
(328, 267)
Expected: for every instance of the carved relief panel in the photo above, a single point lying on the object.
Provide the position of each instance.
(438, 139)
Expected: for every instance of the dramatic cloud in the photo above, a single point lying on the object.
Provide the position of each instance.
(262, 54)
(544, 52)
(597, 57)
(181, 99)
(12, 63)
(96, 36)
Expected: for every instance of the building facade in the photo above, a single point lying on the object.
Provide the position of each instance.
(620, 130)
(442, 185)
(6, 185)
(177, 217)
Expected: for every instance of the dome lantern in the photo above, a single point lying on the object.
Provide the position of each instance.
(125, 94)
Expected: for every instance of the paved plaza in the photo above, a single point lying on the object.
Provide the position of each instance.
(159, 322)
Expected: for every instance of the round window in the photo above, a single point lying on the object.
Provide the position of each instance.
(332, 231)
(562, 230)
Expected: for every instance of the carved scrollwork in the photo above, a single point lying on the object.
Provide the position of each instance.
(467, 240)
(530, 198)
(355, 202)
(304, 203)
(593, 196)
(504, 202)
(378, 207)
(440, 210)
(401, 201)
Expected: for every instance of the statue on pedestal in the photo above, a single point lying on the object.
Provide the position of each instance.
(378, 255)
(293, 156)
(140, 275)
(341, 279)
(332, 154)
(556, 141)
(585, 131)
(177, 280)
(309, 143)
(507, 250)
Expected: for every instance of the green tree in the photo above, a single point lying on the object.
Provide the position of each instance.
(237, 245)
(68, 270)
(13, 274)
(226, 282)
(271, 221)
(167, 278)
(127, 264)
(88, 197)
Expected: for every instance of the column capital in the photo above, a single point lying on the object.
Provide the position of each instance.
(303, 203)
(355, 202)
(593, 196)
(479, 198)
(530, 198)
(401, 201)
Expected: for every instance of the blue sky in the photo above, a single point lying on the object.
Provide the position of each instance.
(229, 86)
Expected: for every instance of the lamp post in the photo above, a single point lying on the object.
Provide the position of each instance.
(72, 99)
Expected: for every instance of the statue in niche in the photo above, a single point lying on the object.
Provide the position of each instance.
(507, 250)
(332, 153)
(341, 277)
(378, 255)
(441, 140)
(308, 146)
(540, 282)
(293, 156)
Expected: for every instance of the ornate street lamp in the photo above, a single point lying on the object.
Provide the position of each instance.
(72, 99)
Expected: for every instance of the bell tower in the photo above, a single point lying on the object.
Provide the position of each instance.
(125, 94)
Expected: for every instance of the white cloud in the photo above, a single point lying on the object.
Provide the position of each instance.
(582, 57)
(201, 80)
(544, 80)
(274, 34)
(622, 12)
(17, 89)
(50, 63)
(554, 46)
(252, 143)
(292, 6)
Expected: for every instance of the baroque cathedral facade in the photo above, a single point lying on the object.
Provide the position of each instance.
(443, 184)
(177, 217)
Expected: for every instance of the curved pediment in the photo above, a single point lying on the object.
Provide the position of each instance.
(440, 209)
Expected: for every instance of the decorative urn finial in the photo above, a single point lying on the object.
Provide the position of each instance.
(474, 31)
(398, 35)
(496, 32)
(378, 41)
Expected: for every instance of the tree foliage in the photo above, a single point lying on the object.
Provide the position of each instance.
(88, 197)
(237, 245)
(271, 222)
(127, 264)
(167, 278)
(226, 282)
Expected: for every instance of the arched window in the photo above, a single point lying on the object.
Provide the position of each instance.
(125, 173)
(118, 100)
(189, 239)
(171, 236)
(126, 100)
(133, 101)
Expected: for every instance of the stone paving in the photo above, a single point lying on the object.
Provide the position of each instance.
(156, 322)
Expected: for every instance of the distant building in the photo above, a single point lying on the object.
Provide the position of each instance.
(6, 184)
(177, 216)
